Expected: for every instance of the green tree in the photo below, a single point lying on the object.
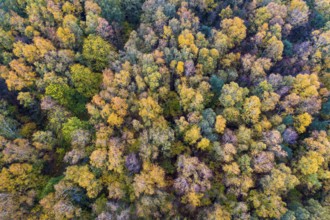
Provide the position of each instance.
(72, 125)
(85, 81)
(98, 53)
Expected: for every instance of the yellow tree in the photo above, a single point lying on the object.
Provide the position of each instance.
(187, 40)
(190, 99)
(306, 85)
(65, 36)
(82, 176)
(251, 109)
(20, 76)
(234, 29)
(302, 121)
(267, 206)
(149, 180)
(192, 135)
(149, 110)
(220, 124)
(310, 163)
(232, 94)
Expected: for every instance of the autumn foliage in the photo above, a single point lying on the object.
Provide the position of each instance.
(171, 109)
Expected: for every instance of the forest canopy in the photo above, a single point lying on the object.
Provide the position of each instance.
(165, 109)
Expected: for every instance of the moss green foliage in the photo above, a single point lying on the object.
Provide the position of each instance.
(72, 125)
(84, 80)
(97, 52)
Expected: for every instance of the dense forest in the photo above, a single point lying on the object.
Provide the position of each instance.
(164, 109)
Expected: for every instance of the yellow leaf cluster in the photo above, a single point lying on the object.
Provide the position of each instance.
(204, 144)
(151, 178)
(306, 85)
(302, 121)
(84, 178)
(220, 124)
(193, 199)
(234, 29)
(180, 68)
(187, 39)
(192, 135)
(310, 163)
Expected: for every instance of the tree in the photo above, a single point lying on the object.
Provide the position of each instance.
(208, 58)
(21, 181)
(279, 181)
(104, 29)
(193, 180)
(251, 109)
(190, 99)
(26, 99)
(85, 81)
(9, 127)
(6, 40)
(20, 76)
(290, 136)
(302, 121)
(316, 210)
(132, 8)
(216, 85)
(261, 16)
(298, 12)
(222, 42)
(117, 112)
(133, 163)
(226, 152)
(111, 10)
(33, 52)
(323, 7)
(155, 206)
(306, 85)
(9, 207)
(204, 144)
(115, 156)
(263, 162)
(274, 49)
(19, 150)
(82, 176)
(19, 178)
(220, 124)
(60, 92)
(187, 39)
(43, 45)
(269, 101)
(244, 137)
(149, 110)
(232, 94)
(192, 135)
(43, 140)
(172, 105)
(98, 53)
(231, 114)
(149, 180)
(66, 37)
(72, 125)
(267, 206)
(310, 163)
(234, 29)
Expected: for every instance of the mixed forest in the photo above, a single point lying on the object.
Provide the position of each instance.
(164, 109)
